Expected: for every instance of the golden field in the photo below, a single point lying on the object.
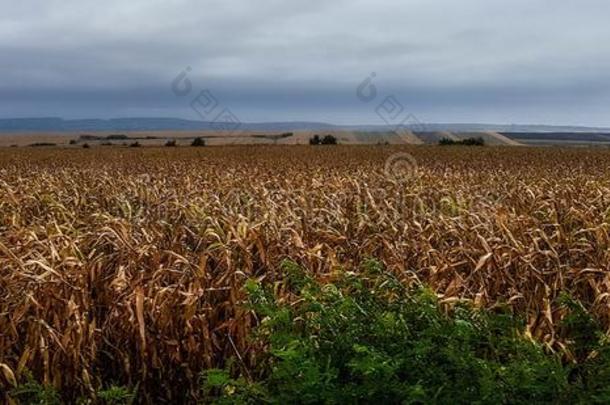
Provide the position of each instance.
(127, 264)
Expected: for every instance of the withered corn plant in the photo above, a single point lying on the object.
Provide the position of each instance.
(126, 266)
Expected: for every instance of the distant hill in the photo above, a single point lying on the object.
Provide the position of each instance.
(53, 124)
(143, 124)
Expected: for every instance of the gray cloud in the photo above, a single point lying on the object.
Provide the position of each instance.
(475, 60)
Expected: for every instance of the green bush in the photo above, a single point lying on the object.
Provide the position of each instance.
(590, 372)
(478, 141)
(198, 142)
(326, 140)
(366, 338)
(329, 140)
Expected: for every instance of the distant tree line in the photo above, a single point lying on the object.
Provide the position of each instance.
(478, 141)
(39, 144)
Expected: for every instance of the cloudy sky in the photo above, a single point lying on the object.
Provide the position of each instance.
(518, 61)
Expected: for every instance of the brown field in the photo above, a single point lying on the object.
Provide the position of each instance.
(184, 138)
(127, 264)
(62, 139)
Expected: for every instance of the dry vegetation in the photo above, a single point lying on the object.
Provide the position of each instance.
(128, 265)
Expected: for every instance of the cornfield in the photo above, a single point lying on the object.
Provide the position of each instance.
(128, 265)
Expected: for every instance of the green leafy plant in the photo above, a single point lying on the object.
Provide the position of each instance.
(116, 395)
(33, 393)
(219, 385)
(590, 370)
(367, 338)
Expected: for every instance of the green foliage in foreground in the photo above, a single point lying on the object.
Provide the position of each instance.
(366, 338)
(33, 393)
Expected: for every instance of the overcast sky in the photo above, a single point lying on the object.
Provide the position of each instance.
(518, 61)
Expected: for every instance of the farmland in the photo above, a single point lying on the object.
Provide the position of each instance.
(130, 266)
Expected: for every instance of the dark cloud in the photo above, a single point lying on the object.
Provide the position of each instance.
(474, 60)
